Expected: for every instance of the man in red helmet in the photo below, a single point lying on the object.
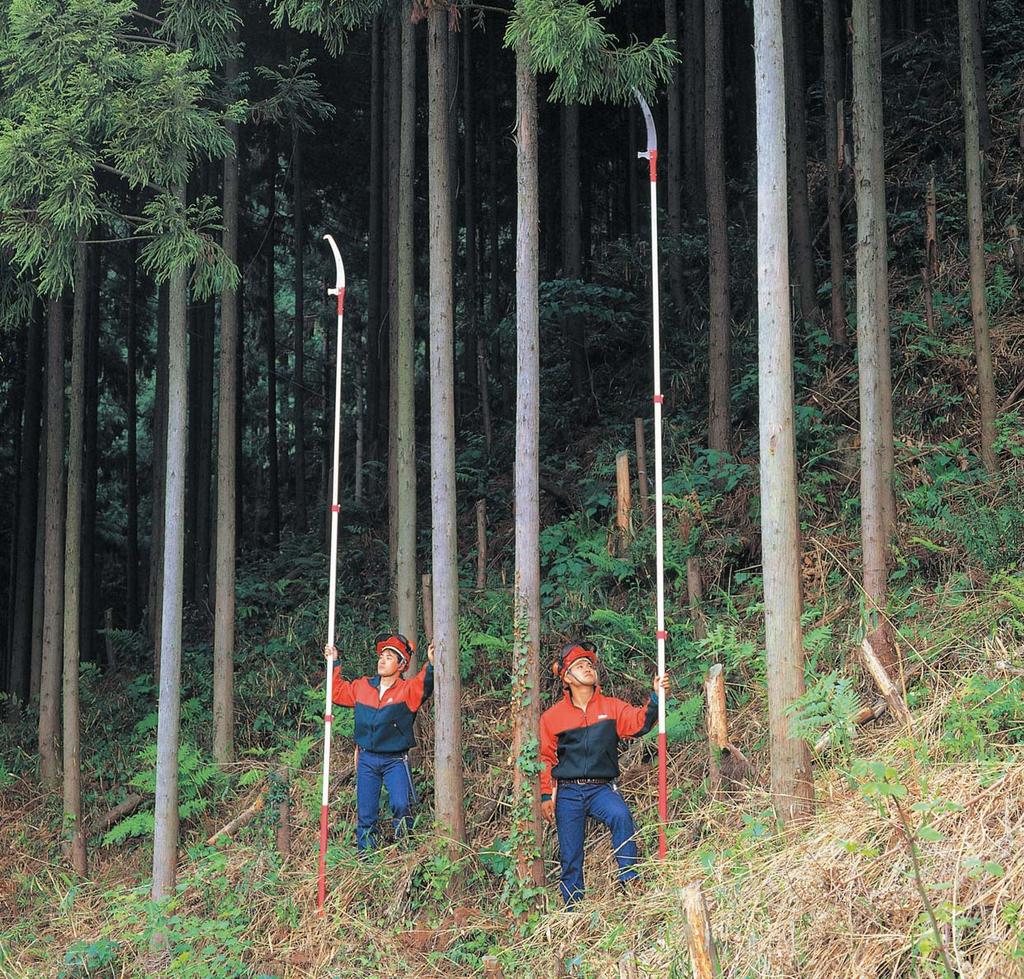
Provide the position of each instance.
(579, 752)
(385, 708)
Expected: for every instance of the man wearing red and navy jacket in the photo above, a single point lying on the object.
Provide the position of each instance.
(579, 752)
(385, 708)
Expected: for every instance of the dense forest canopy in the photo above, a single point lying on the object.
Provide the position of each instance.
(830, 476)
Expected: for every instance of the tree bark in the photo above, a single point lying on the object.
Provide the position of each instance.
(448, 783)
(156, 550)
(53, 586)
(299, 338)
(674, 171)
(73, 565)
(227, 421)
(165, 835)
(526, 595)
(796, 157)
(791, 778)
(974, 24)
(270, 335)
(973, 148)
(833, 76)
(28, 498)
(720, 314)
(89, 581)
(873, 355)
(132, 425)
(693, 106)
(405, 339)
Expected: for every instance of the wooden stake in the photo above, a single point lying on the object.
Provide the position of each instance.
(699, 938)
(641, 469)
(481, 545)
(884, 682)
(623, 498)
(717, 725)
(931, 235)
(1015, 248)
(627, 966)
(428, 607)
(108, 640)
(695, 595)
(492, 967)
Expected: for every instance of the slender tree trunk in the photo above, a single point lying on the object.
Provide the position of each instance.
(973, 99)
(693, 106)
(973, 13)
(720, 314)
(224, 580)
(832, 76)
(73, 565)
(131, 420)
(53, 587)
(299, 385)
(392, 138)
(572, 250)
(204, 456)
(469, 203)
(526, 595)
(405, 424)
(165, 836)
(274, 487)
(674, 172)
(872, 321)
(38, 575)
(448, 784)
(792, 780)
(28, 498)
(796, 157)
(156, 551)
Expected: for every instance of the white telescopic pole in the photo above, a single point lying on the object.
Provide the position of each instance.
(651, 155)
(339, 291)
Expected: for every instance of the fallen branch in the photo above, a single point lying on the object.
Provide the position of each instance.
(862, 716)
(103, 822)
(245, 817)
(884, 682)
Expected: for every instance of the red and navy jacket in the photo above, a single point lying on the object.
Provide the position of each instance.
(577, 743)
(384, 724)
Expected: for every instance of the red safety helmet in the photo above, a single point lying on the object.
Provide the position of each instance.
(571, 652)
(398, 644)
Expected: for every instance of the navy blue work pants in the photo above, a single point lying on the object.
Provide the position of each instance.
(373, 771)
(602, 801)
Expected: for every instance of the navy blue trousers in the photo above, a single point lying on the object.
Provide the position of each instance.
(573, 803)
(391, 771)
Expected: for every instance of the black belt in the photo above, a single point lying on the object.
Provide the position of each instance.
(585, 781)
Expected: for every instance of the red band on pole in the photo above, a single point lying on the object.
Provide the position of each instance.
(328, 718)
(659, 399)
(653, 158)
(661, 634)
(341, 301)
(335, 508)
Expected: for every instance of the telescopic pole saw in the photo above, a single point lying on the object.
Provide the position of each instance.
(651, 155)
(339, 291)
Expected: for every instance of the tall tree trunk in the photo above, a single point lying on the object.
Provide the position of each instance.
(53, 586)
(165, 834)
(270, 334)
(968, 16)
(405, 395)
(204, 455)
(131, 420)
(73, 565)
(28, 494)
(227, 421)
(873, 357)
(299, 381)
(796, 157)
(156, 550)
(526, 590)
(720, 314)
(693, 106)
(38, 575)
(572, 244)
(973, 12)
(674, 170)
(89, 584)
(392, 138)
(792, 780)
(833, 77)
(448, 784)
